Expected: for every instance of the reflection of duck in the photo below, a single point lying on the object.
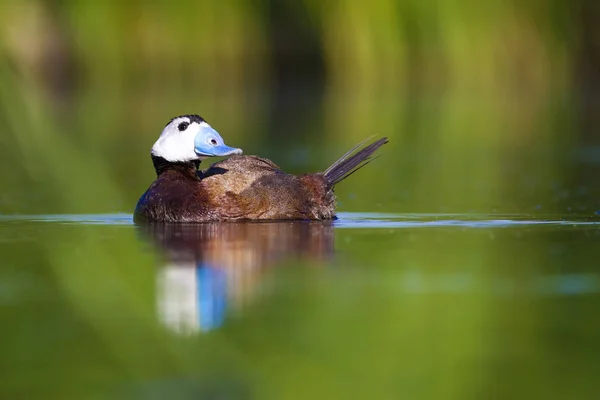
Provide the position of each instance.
(239, 188)
(212, 267)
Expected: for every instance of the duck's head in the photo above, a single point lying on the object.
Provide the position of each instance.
(190, 138)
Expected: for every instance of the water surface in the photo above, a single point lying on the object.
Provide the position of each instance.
(372, 304)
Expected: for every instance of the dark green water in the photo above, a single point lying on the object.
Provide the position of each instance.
(371, 306)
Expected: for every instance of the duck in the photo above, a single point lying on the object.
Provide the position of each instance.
(238, 188)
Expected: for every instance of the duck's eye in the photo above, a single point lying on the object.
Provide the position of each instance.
(213, 142)
(183, 126)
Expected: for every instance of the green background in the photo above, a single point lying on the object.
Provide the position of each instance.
(490, 107)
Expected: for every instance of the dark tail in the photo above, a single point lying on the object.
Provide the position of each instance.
(352, 161)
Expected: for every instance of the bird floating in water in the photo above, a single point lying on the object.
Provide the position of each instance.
(238, 188)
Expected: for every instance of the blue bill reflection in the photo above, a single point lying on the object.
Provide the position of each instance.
(211, 270)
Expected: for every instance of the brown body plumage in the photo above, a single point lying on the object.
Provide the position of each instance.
(245, 188)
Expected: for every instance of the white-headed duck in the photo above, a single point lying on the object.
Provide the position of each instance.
(238, 188)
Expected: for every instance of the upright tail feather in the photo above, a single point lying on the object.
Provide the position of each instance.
(352, 161)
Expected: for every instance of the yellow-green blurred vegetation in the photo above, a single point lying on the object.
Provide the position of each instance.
(477, 97)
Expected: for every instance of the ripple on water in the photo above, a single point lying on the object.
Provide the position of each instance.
(356, 220)
(382, 220)
(77, 219)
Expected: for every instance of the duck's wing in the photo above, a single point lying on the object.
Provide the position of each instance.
(237, 173)
(243, 164)
(249, 187)
(274, 196)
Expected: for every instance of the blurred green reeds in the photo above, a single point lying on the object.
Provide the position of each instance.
(471, 94)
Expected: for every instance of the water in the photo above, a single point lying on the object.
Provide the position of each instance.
(371, 305)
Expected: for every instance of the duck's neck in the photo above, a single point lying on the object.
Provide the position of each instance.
(185, 167)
